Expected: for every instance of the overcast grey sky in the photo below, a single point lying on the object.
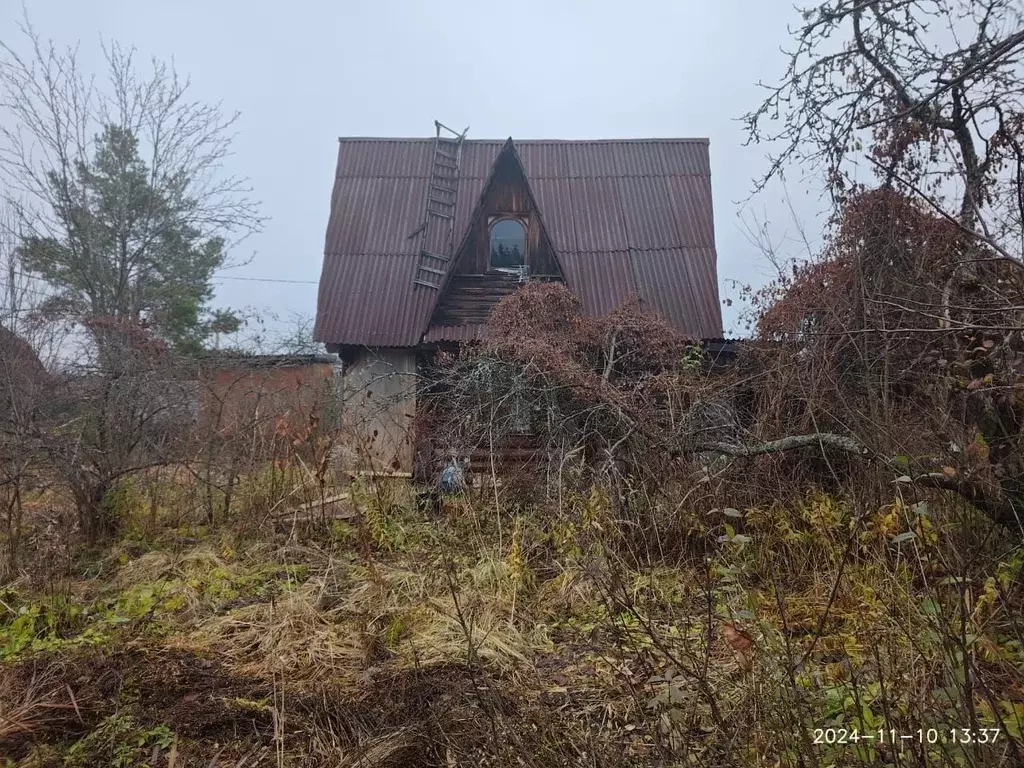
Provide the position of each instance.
(304, 72)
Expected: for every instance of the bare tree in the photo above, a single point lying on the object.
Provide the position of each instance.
(910, 319)
(929, 93)
(118, 184)
(121, 213)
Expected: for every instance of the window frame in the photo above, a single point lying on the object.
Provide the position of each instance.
(516, 411)
(524, 221)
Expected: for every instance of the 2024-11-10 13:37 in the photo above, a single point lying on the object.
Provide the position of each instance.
(922, 735)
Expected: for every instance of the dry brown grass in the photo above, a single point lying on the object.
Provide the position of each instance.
(290, 635)
(446, 649)
(388, 614)
(34, 700)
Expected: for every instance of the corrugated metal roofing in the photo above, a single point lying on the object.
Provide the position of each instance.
(625, 216)
(602, 279)
(469, 332)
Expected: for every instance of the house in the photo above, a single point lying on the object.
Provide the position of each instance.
(426, 235)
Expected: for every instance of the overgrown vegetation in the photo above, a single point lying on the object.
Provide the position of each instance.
(806, 553)
(636, 593)
(425, 641)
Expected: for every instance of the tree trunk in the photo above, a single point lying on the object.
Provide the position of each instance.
(96, 519)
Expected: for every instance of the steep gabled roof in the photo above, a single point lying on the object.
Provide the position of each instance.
(625, 216)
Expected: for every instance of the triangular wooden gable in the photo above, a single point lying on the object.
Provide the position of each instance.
(471, 288)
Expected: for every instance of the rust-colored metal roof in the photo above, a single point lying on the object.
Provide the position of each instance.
(624, 216)
(468, 332)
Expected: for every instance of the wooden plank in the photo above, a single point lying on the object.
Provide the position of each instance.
(322, 502)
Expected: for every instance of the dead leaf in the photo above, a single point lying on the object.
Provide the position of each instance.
(978, 450)
(949, 471)
(737, 638)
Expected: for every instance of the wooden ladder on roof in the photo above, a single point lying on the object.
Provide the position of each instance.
(439, 217)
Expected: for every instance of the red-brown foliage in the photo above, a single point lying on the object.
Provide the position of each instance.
(885, 243)
(600, 388)
(887, 339)
(542, 326)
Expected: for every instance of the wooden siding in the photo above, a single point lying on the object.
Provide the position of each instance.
(474, 288)
(470, 298)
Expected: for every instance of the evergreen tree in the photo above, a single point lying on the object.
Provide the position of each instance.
(128, 251)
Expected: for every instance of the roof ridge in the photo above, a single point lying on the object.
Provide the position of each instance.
(532, 176)
(641, 140)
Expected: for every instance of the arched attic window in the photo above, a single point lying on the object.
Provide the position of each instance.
(508, 244)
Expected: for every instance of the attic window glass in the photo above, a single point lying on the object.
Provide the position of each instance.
(508, 244)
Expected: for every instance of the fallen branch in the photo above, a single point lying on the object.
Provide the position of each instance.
(1003, 510)
(790, 443)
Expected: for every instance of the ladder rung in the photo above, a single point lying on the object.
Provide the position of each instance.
(442, 199)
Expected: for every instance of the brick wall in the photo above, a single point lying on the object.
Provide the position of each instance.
(258, 394)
